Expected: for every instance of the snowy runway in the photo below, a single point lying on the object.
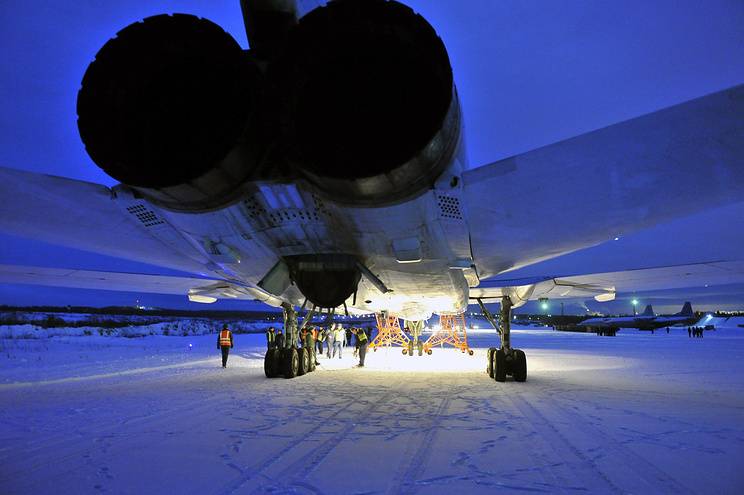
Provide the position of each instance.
(638, 413)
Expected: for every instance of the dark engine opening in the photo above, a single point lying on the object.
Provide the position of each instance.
(165, 101)
(366, 86)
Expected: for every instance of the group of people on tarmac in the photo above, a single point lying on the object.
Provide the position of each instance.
(695, 332)
(333, 338)
(328, 341)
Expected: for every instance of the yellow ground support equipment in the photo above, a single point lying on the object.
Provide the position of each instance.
(452, 331)
(389, 333)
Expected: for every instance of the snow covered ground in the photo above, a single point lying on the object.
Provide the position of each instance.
(637, 413)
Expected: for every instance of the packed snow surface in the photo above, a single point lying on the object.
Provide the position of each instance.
(636, 413)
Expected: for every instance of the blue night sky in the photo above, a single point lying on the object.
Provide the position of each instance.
(529, 73)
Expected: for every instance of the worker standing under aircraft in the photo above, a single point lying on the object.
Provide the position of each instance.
(319, 341)
(330, 339)
(225, 343)
(279, 339)
(362, 342)
(338, 339)
(270, 338)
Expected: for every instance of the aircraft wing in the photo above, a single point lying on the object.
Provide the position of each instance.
(92, 217)
(604, 286)
(591, 188)
(202, 290)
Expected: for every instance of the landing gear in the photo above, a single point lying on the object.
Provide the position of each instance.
(271, 363)
(505, 361)
(303, 361)
(290, 362)
(489, 361)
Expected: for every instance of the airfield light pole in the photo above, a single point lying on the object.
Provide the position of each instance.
(634, 302)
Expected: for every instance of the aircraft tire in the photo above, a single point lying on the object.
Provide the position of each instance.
(270, 362)
(303, 361)
(291, 362)
(519, 366)
(428, 351)
(489, 359)
(499, 365)
(421, 348)
(470, 352)
(311, 361)
(410, 348)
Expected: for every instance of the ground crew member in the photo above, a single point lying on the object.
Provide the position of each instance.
(338, 338)
(270, 338)
(362, 342)
(279, 338)
(224, 343)
(308, 341)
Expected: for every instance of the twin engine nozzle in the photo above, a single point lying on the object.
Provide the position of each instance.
(359, 102)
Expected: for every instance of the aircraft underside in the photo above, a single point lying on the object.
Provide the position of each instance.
(324, 170)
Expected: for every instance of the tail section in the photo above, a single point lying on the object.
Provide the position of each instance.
(686, 310)
(649, 311)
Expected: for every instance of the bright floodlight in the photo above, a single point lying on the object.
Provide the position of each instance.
(634, 302)
(544, 305)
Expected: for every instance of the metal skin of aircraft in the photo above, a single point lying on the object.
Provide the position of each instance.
(645, 321)
(325, 169)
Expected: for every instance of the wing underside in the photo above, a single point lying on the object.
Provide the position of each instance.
(594, 187)
(604, 286)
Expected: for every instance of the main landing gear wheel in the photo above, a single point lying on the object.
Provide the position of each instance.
(303, 361)
(489, 362)
(313, 358)
(499, 365)
(271, 369)
(291, 362)
(410, 348)
(420, 348)
(519, 366)
(513, 364)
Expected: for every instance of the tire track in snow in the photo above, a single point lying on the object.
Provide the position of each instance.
(251, 472)
(404, 480)
(303, 467)
(655, 478)
(585, 468)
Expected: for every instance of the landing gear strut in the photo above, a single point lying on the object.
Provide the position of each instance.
(505, 361)
(289, 361)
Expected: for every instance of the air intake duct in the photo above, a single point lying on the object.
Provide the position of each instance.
(368, 111)
(168, 107)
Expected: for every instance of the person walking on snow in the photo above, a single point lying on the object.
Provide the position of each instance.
(361, 338)
(225, 343)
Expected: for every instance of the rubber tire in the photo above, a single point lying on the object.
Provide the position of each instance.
(270, 363)
(313, 357)
(420, 348)
(429, 352)
(499, 365)
(519, 366)
(470, 352)
(291, 362)
(410, 348)
(404, 351)
(303, 364)
(489, 359)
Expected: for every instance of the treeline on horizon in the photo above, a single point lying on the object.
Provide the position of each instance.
(132, 311)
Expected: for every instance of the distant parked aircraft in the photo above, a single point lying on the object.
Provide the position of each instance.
(644, 321)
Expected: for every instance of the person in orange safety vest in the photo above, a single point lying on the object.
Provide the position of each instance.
(225, 343)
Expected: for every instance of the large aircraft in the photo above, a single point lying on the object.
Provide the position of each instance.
(324, 169)
(647, 320)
